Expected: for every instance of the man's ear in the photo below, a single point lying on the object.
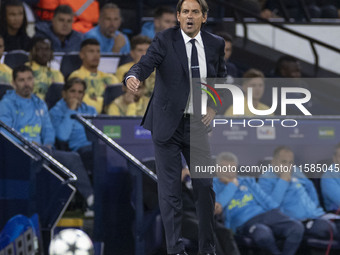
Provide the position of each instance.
(63, 94)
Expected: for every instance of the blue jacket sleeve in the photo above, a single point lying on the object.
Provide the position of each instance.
(224, 192)
(330, 188)
(274, 187)
(261, 197)
(62, 123)
(47, 132)
(6, 114)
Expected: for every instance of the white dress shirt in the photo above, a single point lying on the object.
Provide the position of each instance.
(203, 68)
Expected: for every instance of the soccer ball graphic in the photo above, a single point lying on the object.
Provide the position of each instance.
(71, 242)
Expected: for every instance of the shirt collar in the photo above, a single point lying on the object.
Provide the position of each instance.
(187, 38)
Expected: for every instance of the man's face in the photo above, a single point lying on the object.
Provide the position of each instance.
(2, 47)
(42, 53)
(90, 55)
(258, 87)
(291, 70)
(191, 17)
(285, 159)
(228, 49)
(24, 83)
(139, 51)
(77, 92)
(14, 16)
(62, 24)
(336, 157)
(167, 20)
(109, 21)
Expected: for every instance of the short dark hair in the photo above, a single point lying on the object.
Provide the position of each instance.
(20, 69)
(69, 83)
(89, 41)
(139, 39)
(163, 9)
(109, 6)
(202, 3)
(64, 9)
(226, 36)
(284, 59)
(281, 148)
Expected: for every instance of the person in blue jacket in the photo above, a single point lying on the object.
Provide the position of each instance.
(70, 130)
(296, 195)
(164, 18)
(26, 113)
(107, 33)
(249, 211)
(330, 183)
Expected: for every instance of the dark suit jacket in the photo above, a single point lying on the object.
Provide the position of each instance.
(167, 54)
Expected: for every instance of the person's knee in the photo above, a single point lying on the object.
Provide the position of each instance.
(296, 231)
(261, 234)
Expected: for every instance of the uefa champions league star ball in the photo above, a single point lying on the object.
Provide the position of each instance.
(71, 242)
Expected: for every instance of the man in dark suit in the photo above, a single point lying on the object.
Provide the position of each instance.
(181, 55)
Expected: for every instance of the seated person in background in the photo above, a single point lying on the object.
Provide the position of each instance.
(70, 130)
(296, 195)
(85, 20)
(288, 67)
(106, 32)
(330, 183)
(228, 49)
(254, 79)
(5, 70)
(164, 18)
(129, 104)
(41, 55)
(13, 24)
(139, 46)
(224, 239)
(96, 81)
(251, 212)
(28, 114)
(60, 32)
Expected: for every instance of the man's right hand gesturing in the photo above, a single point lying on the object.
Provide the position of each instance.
(132, 84)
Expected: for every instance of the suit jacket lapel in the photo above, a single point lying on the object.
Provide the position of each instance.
(180, 50)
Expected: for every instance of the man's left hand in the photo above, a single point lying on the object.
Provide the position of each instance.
(209, 116)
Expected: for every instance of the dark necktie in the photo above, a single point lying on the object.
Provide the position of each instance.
(196, 85)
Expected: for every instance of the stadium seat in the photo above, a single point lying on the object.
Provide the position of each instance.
(3, 89)
(53, 94)
(15, 58)
(70, 63)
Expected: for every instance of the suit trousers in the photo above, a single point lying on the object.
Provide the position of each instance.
(169, 168)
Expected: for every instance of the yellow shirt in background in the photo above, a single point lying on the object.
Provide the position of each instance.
(247, 112)
(149, 82)
(119, 108)
(96, 85)
(5, 74)
(43, 78)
